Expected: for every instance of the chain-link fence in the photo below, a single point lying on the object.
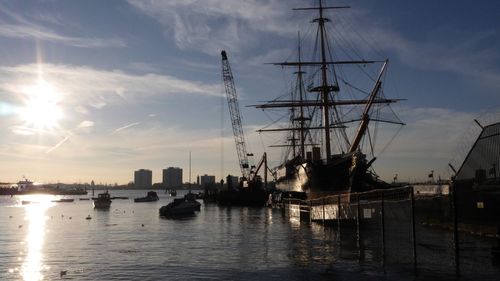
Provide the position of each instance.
(403, 229)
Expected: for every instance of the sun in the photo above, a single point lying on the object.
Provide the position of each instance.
(42, 110)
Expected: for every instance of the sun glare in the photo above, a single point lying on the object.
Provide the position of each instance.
(42, 110)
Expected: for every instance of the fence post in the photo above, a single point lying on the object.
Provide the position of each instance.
(338, 216)
(413, 233)
(323, 211)
(300, 210)
(358, 217)
(456, 242)
(383, 227)
(310, 212)
(289, 207)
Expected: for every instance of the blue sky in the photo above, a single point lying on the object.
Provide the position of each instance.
(136, 84)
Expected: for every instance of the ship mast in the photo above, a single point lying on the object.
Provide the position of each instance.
(365, 118)
(299, 89)
(325, 89)
(301, 99)
(326, 103)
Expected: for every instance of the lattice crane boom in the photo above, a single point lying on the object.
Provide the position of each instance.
(234, 111)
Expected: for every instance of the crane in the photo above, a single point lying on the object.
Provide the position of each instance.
(234, 111)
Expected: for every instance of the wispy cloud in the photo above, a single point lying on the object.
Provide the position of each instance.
(27, 131)
(209, 26)
(96, 88)
(20, 26)
(428, 142)
(465, 58)
(21, 130)
(446, 49)
(86, 124)
(23, 31)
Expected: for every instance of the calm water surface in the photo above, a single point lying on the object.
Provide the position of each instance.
(131, 242)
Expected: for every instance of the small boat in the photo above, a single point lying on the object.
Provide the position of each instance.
(181, 206)
(150, 197)
(64, 200)
(24, 202)
(82, 199)
(173, 192)
(120, 197)
(102, 201)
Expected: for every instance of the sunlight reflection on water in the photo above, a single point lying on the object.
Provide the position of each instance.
(35, 216)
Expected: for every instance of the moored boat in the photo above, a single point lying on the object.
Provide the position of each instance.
(150, 197)
(64, 200)
(103, 201)
(181, 206)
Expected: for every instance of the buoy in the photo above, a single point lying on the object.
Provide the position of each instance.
(63, 273)
(142, 225)
(10, 217)
(20, 226)
(70, 218)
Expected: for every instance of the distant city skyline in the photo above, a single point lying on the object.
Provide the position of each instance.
(94, 90)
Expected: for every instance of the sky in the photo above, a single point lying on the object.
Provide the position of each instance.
(93, 90)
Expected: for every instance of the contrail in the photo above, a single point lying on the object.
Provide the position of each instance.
(58, 144)
(126, 127)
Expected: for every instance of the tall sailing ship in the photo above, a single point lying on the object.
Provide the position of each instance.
(331, 120)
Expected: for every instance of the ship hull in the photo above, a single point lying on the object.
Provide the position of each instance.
(343, 174)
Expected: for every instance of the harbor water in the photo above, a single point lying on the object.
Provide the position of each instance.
(45, 240)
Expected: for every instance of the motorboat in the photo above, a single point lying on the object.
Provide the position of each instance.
(102, 201)
(181, 206)
(150, 197)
